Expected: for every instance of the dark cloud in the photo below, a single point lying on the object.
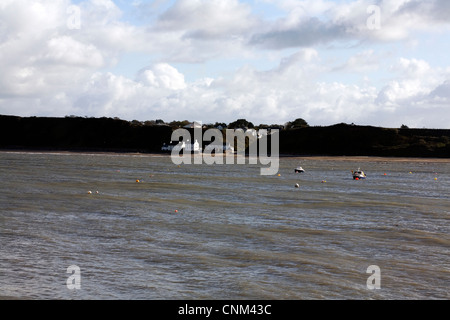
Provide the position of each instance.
(442, 91)
(437, 11)
(305, 34)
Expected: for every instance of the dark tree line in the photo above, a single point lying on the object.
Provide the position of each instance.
(296, 137)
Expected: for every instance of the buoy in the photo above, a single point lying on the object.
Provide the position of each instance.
(97, 192)
(435, 179)
(385, 174)
(356, 178)
(279, 175)
(138, 181)
(176, 211)
(89, 192)
(297, 185)
(410, 172)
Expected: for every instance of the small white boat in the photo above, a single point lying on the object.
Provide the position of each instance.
(358, 174)
(299, 170)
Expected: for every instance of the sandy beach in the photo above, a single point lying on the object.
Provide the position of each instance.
(282, 156)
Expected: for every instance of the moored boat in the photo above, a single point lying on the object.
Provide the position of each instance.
(358, 174)
(299, 170)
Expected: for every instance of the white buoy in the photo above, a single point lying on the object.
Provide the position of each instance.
(297, 185)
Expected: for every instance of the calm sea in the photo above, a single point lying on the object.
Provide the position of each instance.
(223, 231)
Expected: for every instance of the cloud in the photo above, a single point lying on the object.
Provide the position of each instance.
(304, 34)
(67, 51)
(365, 61)
(417, 94)
(207, 19)
(433, 12)
(412, 68)
(163, 76)
(415, 80)
(326, 22)
(441, 95)
(49, 69)
(201, 30)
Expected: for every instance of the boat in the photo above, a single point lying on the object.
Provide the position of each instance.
(358, 174)
(299, 170)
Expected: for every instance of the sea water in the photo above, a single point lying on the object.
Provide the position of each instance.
(141, 227)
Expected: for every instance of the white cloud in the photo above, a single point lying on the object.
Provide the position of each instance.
(310, 23)
(163, 76)
(48, 69)
(412, 68)
(365, 61)
(67, 51)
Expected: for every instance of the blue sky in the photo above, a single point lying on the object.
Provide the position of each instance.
(220, 60)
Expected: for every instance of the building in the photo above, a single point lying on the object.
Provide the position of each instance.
(191, 147)
(179, 146)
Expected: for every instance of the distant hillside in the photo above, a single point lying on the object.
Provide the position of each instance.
(351, 140)
(115, 135)
(81, 134)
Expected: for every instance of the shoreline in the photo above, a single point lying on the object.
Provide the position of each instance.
(281, 156)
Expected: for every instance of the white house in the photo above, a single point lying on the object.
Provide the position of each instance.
(228, 148)
(192, 147)
(176, 146)
(169, 147)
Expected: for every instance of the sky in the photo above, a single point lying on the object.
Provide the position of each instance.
(367, 62)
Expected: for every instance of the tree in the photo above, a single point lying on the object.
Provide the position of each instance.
(136, 123)
(149, 123)
(241, 124)
(220, 124)
(297, 123)
(179, 124)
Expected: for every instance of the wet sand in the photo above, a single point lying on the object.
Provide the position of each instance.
(367, 159)
(284, 156)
